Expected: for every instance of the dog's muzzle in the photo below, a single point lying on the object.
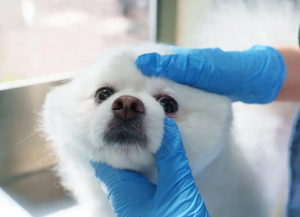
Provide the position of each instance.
(126, 126)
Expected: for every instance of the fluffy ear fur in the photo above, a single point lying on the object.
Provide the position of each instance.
(234, 179)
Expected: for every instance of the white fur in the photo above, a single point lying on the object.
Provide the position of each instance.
(226, 175)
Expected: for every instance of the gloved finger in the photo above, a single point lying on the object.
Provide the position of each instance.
(111, 176)
(125, 188)
(183, 50)
(197, 70)
(174, 175)
(183, 69)
(172, 164)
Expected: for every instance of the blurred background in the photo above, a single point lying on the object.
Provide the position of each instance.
(43, 42)
(40, 40)
(42, 37)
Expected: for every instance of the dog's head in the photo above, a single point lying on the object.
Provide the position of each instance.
(114, 114)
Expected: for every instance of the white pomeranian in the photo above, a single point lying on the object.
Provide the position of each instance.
(84, 120)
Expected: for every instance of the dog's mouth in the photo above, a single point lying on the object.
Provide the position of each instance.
(126, 133)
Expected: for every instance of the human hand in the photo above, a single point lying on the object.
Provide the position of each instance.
(252, 76)
(175, 194)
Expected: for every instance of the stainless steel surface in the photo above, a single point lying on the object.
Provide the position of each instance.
(39, 194)
(9, 207)
(22, 149)
(25, 164)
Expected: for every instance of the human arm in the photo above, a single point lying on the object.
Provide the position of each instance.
(175, 194)
(256, 75)
(290, 90)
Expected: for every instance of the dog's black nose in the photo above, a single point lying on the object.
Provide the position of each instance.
(127, 107)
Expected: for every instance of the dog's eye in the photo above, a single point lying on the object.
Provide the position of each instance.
(102, 94)
(169, 104)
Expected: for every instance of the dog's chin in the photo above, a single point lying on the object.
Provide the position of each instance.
(132, 157)
(126, 134)
(125, 144)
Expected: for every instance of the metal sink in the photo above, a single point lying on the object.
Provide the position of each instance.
(27, 180)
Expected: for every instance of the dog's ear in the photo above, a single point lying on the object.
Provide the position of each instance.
(53, 111)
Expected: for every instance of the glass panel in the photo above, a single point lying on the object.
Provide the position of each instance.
(42, 37)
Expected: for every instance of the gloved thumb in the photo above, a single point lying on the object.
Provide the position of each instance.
(175, 177)
(172, 164)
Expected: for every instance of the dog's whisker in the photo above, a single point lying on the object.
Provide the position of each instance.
(91, 151)
(47, 149)
(46, 157)
(27, 137)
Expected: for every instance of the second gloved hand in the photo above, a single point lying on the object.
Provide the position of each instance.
(175, 194)
(252, 76)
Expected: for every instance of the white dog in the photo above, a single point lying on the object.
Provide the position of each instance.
(84, 120)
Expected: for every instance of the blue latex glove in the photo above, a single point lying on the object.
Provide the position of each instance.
(252, 76)
(175, 194)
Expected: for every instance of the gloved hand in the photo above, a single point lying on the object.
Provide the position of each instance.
(252, 76)
(175, 194)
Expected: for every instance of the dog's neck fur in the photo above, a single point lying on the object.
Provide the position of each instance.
(225, 180)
